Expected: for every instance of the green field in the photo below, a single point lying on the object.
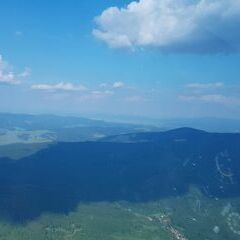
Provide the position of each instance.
(23, 136)
(192, 217)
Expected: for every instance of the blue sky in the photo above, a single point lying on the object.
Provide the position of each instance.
(143, 58)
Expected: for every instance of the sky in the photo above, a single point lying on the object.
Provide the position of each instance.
(152, 58)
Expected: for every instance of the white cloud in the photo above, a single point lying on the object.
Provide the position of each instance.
(195, 26)
(59, 87)
(113, 85)
(8, 76)
(212, 98)
(205, 85)
(25, 73)
(96, 95)
(118, 85)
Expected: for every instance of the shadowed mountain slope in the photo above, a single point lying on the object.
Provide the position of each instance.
(145, 166)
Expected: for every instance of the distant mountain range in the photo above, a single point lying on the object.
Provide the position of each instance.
(35, 129)
(210, 124)
(25, 128)
(132, 167)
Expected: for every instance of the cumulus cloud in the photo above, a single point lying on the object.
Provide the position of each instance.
(114, 85)
(63, 90)
(192, 26)
(118, 85)
(59, 87)
(25, 73)
(205, 85)
(8, 76)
